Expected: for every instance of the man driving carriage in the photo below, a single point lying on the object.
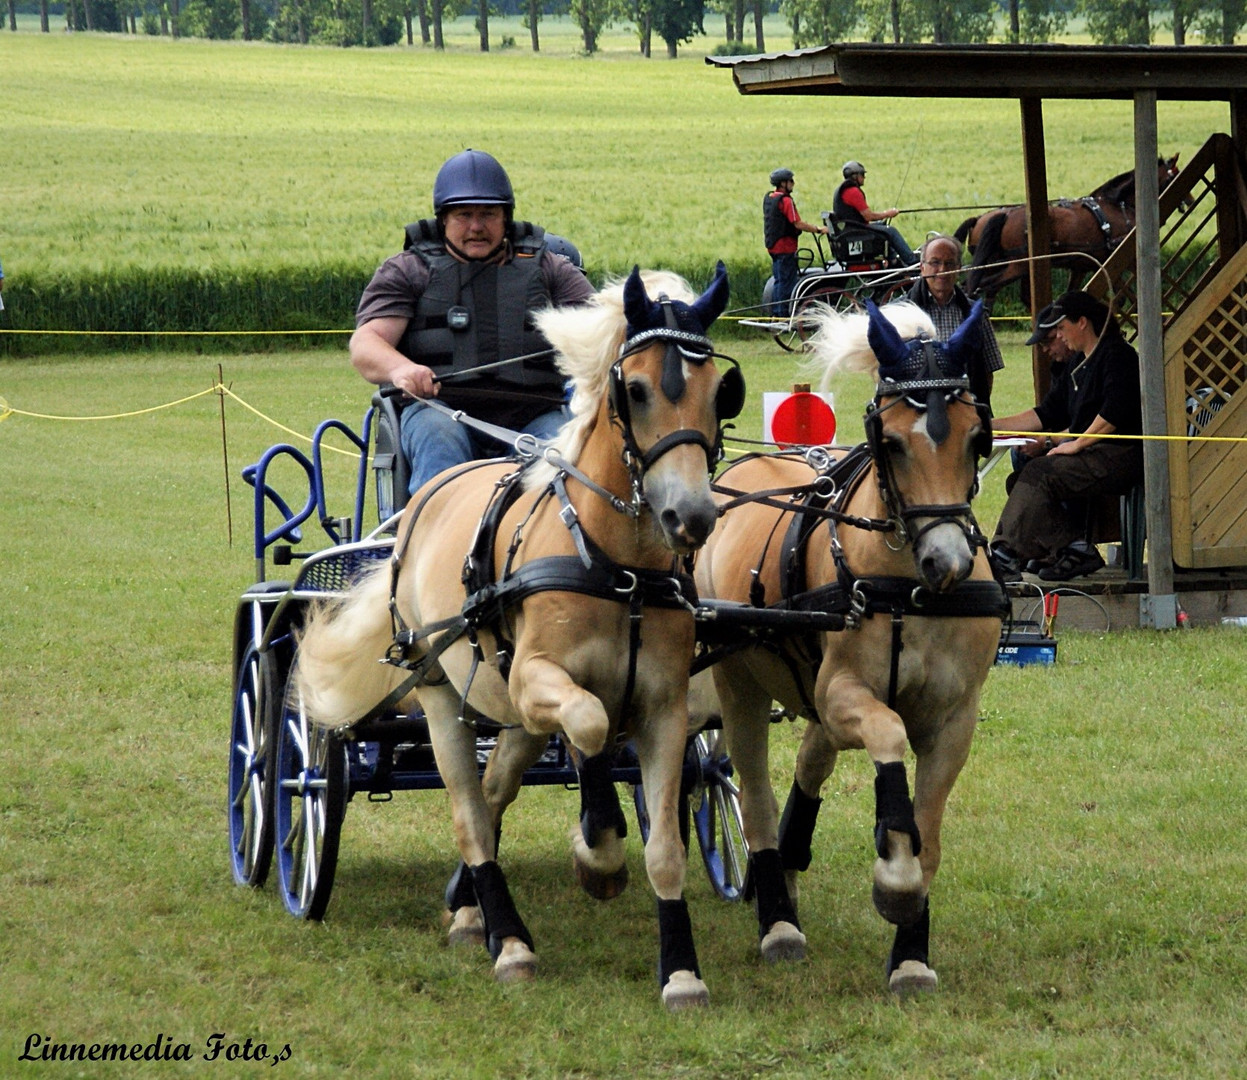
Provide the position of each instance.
(850, 206)
(460, 296)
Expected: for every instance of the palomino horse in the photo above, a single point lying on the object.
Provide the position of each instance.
(904, 564)
(1083, 233)
(555, 602)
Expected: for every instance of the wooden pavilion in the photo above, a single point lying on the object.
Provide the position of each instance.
(1180, 286)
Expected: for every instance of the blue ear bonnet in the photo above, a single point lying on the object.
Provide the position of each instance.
(922, 363)
(644, 314)
(682, 326)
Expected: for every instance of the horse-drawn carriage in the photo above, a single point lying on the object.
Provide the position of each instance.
(856, 266)
(881, 637)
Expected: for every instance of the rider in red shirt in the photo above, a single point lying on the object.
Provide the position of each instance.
(781, 226)
(850, 205)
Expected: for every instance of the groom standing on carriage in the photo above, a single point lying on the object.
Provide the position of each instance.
(458, 298)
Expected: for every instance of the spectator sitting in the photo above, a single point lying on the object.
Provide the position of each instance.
(939, 295)
(1097, 394)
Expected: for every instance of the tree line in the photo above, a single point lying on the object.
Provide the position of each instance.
(674, 22)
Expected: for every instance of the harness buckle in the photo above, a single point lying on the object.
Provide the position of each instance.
(630, 588)
(857, 607)
(527, 445)
(568, 515)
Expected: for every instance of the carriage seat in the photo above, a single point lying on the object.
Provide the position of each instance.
(854, 245)
(390, 467)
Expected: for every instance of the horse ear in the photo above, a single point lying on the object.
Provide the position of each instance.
(709, 306)
(965, 338)
(638, 307)
(884, 339)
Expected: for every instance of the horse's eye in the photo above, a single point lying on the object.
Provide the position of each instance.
(637, 393)
(893, 445)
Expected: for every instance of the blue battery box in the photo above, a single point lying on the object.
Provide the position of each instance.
(1025, 643)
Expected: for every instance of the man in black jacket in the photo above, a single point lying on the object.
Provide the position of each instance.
(1096, 395)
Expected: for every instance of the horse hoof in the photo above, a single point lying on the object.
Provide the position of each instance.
(783, 943)
(599, 885)
(900, 909)
(465, 926)
(898, 892)
(911, 978)
(684, 990)
(516, 963)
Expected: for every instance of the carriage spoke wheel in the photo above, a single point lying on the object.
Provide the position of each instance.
(716, 816)
(309, 793)
(250, 768)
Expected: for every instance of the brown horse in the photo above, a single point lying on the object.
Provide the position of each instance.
(1083, 233)
(885, 538)
(582, 622)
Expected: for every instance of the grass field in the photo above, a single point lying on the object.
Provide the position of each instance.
(1088, 921)
(208, 157)
(1089, 917)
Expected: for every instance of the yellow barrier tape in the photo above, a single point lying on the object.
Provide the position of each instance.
(226, 391)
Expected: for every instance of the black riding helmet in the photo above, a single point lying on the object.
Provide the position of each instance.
(560, 245)
(780, 175)
(474, 178)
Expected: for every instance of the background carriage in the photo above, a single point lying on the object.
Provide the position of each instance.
(857, 265)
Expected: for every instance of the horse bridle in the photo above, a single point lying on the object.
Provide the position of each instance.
(930, 395)
(681, 345)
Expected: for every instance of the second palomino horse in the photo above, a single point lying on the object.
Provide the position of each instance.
(885, 539)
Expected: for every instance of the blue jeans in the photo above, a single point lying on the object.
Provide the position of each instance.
(902, 249)
(433, 441)
(784, 270)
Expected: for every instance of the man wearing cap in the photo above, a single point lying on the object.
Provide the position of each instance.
(1096, 395)
(849, 204)
(939, 295)
(781, 226)
(459, 296)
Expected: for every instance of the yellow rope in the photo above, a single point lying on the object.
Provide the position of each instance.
(6, 410)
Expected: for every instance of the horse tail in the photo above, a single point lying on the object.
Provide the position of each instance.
(989, 249)
(965, 229)
(337, 670)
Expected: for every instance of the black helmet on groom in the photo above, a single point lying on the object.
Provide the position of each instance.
(472, 178)
(780, 175)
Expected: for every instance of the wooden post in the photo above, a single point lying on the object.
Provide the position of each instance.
(1035, 164)
(1162, 607)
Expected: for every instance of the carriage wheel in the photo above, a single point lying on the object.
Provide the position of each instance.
(717, 817)
(309, 793)
(250, 822)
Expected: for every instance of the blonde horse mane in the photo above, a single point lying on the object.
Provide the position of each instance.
(587, 340)
(840, 340)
